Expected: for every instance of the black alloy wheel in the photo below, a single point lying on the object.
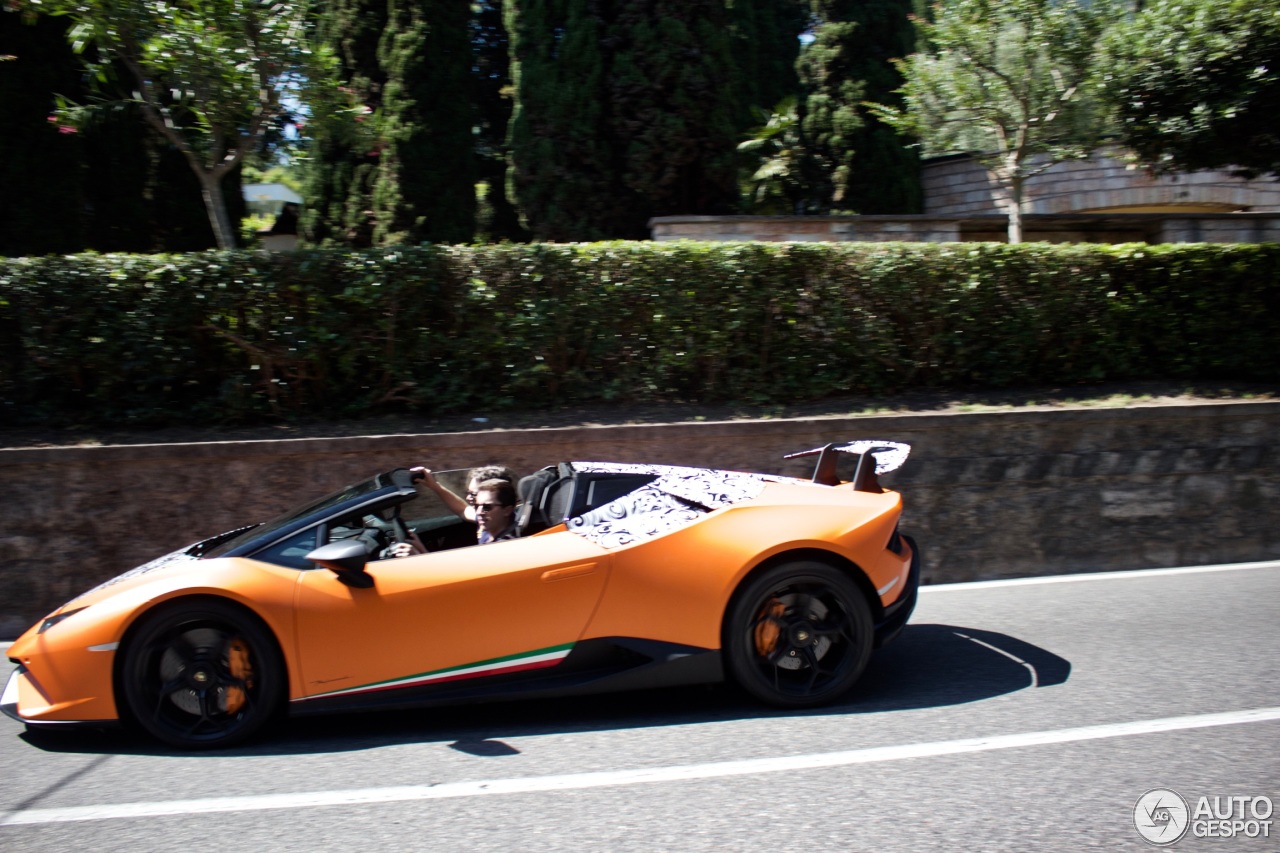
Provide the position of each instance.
(798, 635)
(201, 674)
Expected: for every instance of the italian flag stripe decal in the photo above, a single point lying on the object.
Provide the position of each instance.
(539, 659)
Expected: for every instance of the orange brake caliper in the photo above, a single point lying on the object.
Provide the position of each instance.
(241, 670)
(769, 627)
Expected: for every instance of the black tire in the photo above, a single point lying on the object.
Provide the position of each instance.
(798, 635)
(201, 674)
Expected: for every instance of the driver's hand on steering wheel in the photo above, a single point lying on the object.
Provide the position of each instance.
(401, 549)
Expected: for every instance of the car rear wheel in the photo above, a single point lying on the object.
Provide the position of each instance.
(798, 635)
(202, 674)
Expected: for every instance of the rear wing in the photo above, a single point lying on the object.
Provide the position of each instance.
(874, 458)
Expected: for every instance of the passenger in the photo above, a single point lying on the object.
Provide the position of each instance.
(495, 507)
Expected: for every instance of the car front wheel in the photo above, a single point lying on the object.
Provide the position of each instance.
(798, 635)
(202, 674)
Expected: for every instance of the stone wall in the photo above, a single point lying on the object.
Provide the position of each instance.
(988, 495)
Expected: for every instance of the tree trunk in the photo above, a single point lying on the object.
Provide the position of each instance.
(215, 205)
(1015, 211)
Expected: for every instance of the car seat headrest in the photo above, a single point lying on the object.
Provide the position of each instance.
(531, 490)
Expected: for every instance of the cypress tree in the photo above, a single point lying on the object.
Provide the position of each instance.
(676, 108)
(493, 105)
(425, 185)
(854, 162)
(625, 109)
(404, 66)
(343, 166)
(41, 162)
(562, 176)
(766, 43)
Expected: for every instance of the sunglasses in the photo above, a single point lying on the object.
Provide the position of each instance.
(488, 507)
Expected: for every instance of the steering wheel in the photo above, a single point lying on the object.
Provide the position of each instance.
(398, 532)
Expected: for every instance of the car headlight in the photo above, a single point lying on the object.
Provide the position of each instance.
(56, 618)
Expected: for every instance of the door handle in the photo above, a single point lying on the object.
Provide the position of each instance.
(568, 572)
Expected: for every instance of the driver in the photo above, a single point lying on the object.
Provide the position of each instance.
(495, 507)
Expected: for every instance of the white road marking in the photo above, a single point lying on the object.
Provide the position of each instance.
(1035, 676)
(1129, 574)
(678, 773)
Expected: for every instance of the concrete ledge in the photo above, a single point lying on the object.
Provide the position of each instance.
(989, 495)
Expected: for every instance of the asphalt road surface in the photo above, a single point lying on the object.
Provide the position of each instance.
(1017, 715)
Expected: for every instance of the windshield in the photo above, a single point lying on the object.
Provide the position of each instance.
(293, 516)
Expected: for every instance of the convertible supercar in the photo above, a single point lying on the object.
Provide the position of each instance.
(625, 576)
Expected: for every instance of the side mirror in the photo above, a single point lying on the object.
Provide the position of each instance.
(347, 560)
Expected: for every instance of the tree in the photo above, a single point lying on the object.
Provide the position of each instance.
(425, 185)
(392, 160)
(107, 182)
(852, 160)
(766, 40)
(491, 68)
(41, 161)
(208, 75)
(623, 111)
(674, 102)
(1008, 82)
(563, 175)
(1196, 85)
(775, 154)
(342, 148)
(140, 192)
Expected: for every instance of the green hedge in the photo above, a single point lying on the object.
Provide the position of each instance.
(240, 337)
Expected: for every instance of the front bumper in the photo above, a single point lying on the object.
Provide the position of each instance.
(19, 683)
(9, 700)
(25, 700)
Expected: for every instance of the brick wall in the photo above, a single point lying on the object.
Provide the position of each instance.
(988, 495)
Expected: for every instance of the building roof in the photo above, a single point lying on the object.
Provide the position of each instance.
(270, 192)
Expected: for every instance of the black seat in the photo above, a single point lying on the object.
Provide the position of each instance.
(556, 501)
(546, 496)
(530, 517)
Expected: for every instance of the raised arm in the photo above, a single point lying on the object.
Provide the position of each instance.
(455, 504)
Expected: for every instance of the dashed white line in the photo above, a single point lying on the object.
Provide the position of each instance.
(678, 773)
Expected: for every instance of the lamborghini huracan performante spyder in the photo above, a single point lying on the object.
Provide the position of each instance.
(624, 577)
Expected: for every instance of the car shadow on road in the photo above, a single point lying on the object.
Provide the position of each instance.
(928, 666)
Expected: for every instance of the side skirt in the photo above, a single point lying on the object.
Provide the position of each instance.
(593, 666)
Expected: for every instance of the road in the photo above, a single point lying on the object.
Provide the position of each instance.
(1016, 715)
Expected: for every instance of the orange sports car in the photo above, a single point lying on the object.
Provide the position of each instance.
(623, 577)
